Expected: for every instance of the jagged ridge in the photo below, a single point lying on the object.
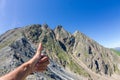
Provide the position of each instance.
(74, 55)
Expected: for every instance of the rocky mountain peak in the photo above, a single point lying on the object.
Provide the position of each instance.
(45, 27)
(77, 32)
(61, 33)
(72, 57)
(59, 28)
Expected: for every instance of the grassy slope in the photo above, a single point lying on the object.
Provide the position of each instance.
(117, 52)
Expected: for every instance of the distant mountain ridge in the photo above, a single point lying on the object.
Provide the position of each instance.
(117, 48)
(72, 56)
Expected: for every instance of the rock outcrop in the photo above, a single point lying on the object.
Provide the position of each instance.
(72, 56)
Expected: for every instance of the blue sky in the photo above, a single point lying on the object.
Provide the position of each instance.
(98, 19)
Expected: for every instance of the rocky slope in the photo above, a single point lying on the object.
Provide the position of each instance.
(72, 56)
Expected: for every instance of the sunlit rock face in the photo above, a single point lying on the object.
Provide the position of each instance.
(72, 56)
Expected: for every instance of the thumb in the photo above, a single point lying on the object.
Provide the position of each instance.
(39, 49)
(37, 56)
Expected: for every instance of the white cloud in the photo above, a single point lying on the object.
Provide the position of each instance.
(2, 7)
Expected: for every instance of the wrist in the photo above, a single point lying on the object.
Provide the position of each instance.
(28, 66)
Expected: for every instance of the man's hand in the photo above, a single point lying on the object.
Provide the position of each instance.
(37, 64)
(39, 61)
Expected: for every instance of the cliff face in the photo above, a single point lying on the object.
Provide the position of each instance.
(72, 56)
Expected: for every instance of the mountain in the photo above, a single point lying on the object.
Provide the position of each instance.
(72, 56)
(117, 48)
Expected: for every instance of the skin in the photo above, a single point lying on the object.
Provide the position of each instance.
(37, 64)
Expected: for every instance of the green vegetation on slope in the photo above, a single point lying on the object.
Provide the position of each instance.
(77, 69)
(117, 52)
(70, 63)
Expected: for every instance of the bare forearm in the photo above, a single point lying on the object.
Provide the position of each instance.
(19, 73)
(37, 63)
